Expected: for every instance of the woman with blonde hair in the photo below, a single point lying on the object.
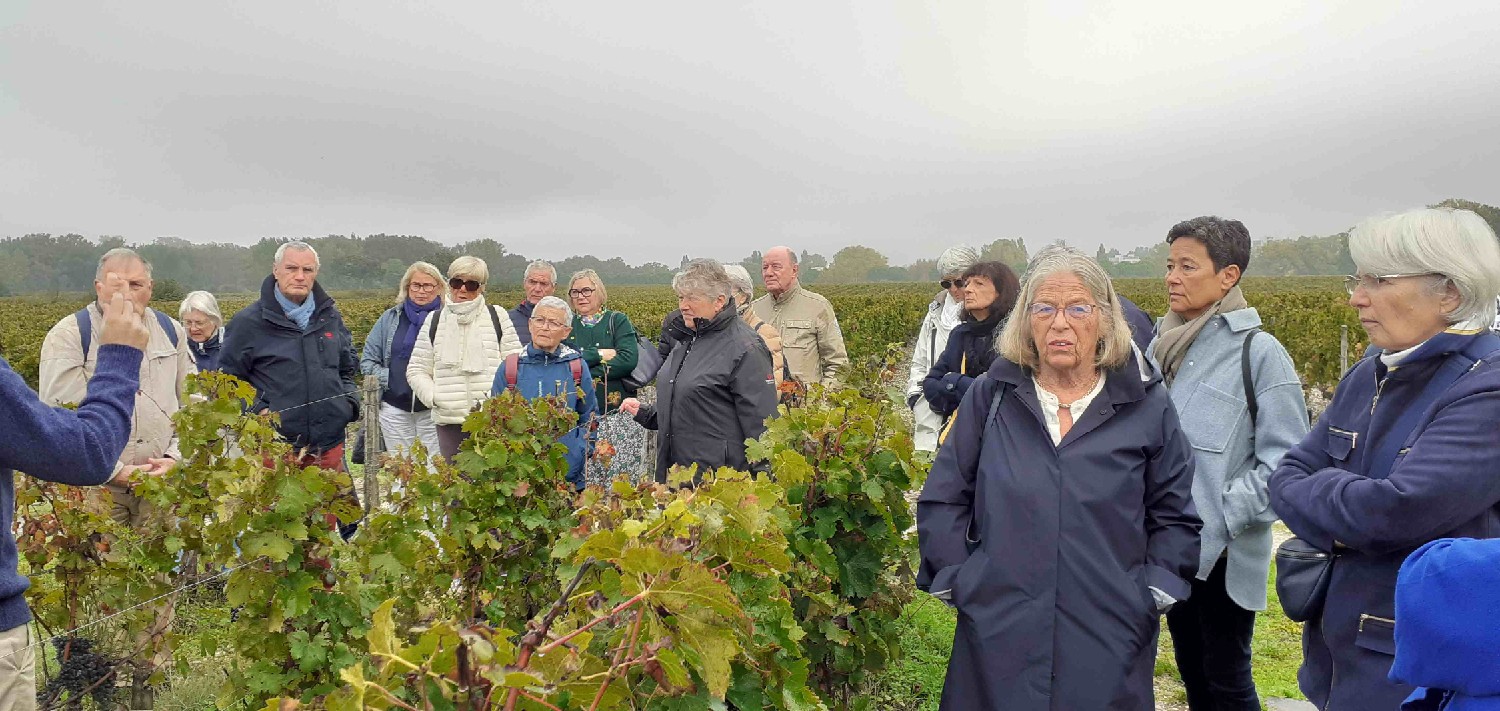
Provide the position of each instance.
(607, 340)
(457, 351)
(403, 418)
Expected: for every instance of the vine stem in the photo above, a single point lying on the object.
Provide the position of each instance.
(591, 623)
(533, 638)
(533, 698)
(620, 655)
(398, 702)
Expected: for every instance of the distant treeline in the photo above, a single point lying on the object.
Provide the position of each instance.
(52, 263)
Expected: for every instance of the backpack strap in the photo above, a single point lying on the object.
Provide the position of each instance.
(576, 365)
(85, 330)
(512, 370)
(1247, 379)
(167, 325)
(432, 325)
(499, 331)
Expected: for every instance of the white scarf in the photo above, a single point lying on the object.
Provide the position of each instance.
(1392, 360)
(466, 348)
(950, 314)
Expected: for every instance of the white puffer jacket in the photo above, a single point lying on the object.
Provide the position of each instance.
(437, 374)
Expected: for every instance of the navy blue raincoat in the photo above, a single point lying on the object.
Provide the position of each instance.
(1049, 553)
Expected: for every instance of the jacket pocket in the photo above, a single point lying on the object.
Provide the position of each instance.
(1340, 443)
(1377, 634)
(798, 333)
(1210, 417)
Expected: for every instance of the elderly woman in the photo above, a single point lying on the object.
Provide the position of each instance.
(1057, 516)
(204, 323)
(404, 419)
(744, 293)
(458, 349)
(607, 340)
(547, 367)
(1208, 346)
(989, 294)
(716, 389)
(1405, 453)
(943, 315)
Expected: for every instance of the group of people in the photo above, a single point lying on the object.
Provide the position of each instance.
(1085, 484)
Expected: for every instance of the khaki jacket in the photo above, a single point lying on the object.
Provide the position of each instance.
(65, 372)
(767, 333)
(811, 340)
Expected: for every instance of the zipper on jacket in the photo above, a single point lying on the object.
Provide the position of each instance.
(1378, 388)
(1366, 618)
(1353, 436)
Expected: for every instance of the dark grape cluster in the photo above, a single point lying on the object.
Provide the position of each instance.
(82, 674)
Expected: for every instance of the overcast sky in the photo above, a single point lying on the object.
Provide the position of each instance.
(650, 130)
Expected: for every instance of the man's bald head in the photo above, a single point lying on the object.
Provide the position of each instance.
(778, 269)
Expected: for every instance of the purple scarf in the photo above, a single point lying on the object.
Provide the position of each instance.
(406, 338)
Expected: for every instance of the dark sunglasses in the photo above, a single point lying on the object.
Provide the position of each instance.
(456, 283)
(950, 283)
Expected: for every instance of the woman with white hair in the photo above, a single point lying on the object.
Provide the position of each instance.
(716, 389)
(404, 419)
(204, 323)
(457, 351)
(1058, 517)
(744, 293)
(1405, 454)
(944, 314)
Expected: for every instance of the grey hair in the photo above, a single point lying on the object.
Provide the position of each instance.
(1227, 241)
(296, 246)
(419, 268)
(1456, 244)
(956, 259)
(739, 279)
(554, 302)
(1015, 343)
(540, 266)
(202, 302)
(704, 277)
(472, 267)
(120, 253)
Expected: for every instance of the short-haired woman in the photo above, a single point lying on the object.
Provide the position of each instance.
(607, 340)
(944, 314)
(546, 368)
(1057, 517)
(1203, 356)
(716, 389)
(989, 294)
(1405, 454)
(204, 323)
(404, 419)
(458, 349)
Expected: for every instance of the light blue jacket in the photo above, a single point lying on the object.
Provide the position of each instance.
(1234, 462)
(376, 358)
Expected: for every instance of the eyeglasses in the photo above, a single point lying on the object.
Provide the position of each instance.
(1047, 312)
(457, 283)
(196, 323)
(415, 286)
(950, 283)
(1371, 282)
(547, 323)
(585, 291)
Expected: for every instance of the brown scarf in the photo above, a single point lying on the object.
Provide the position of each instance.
(1178, 335)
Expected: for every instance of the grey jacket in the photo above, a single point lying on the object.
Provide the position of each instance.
(376, 357)
(715, 391)
(1235, 463)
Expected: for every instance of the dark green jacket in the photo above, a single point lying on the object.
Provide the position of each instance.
(613, 331)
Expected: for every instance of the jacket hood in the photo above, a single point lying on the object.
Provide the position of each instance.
(719, 322)
(1128, 383)
(533, 355)
(271, 310)
(1447, 629)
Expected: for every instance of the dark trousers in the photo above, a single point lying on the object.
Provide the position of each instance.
(1211, 637)
(450, 439)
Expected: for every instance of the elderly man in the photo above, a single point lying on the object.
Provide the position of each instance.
(811, 340)
(292, 345)
(70, 358)
(80, 448)
(540, 281)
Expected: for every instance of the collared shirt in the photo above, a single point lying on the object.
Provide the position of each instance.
(1051, 404)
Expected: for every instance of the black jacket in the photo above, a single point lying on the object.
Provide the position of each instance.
(970, 352)
(714, 391)
(290, 367)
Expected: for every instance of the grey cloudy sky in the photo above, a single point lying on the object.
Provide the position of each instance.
(649, 130)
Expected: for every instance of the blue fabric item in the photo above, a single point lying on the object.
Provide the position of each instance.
(1142, 326)
(86, 329)
(1055, 607)
(300, 314)
(970, 345)
(77, 448)
(206, 354)
(520, 317)
(306, 374)
(1236, 456)
(543, 374)
(406, 331)
(1442, 485)
(1447, 632)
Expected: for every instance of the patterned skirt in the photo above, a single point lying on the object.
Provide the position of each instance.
(628, 439)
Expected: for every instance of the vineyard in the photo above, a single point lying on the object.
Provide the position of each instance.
(1305, 313)
(485, 584)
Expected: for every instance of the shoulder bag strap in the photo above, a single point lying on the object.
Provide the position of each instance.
(1248, 379)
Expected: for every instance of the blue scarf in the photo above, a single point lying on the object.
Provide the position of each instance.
(406, 338)
(299, 314)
